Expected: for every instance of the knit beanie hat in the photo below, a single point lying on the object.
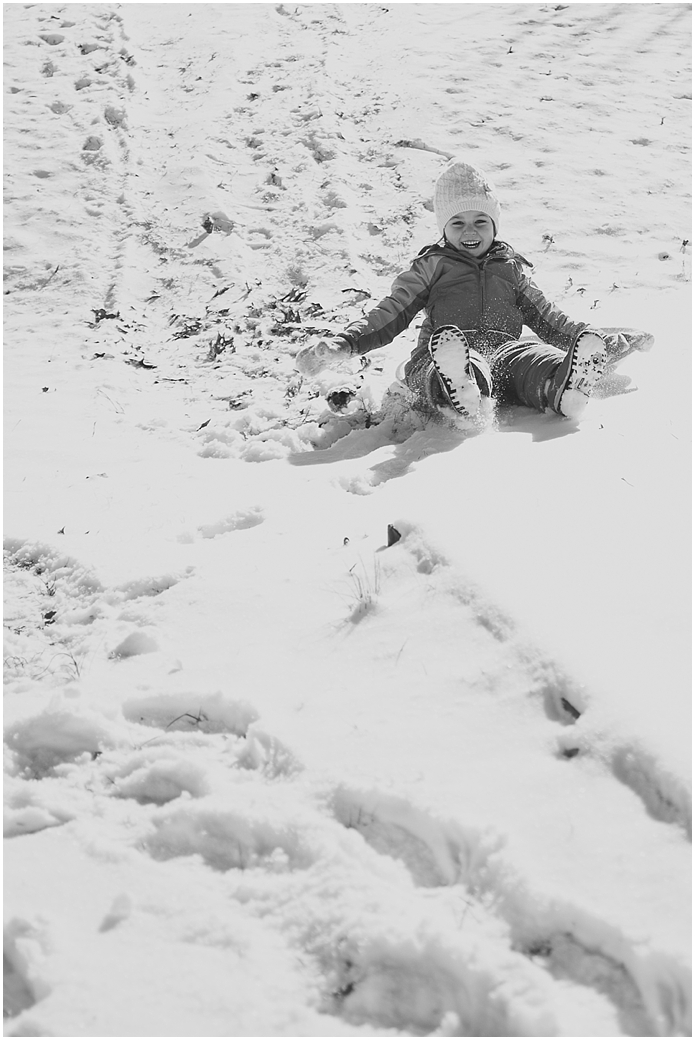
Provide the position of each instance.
(462, 187)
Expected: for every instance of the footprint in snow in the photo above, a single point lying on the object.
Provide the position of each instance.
(664, 796)
(228, 840)
(157, 775)
(115, 116)
(150, 586)
(239, 521)
(43, 742)
(18, 993)
(213, 714)
(435, 854)
(161, 772)
(134, 645)
(205, 713)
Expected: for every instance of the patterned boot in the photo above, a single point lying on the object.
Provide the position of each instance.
(451, 358)
(575, 380)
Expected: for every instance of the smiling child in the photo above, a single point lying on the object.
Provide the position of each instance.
(477, 296)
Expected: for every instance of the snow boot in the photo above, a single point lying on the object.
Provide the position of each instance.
(576, 378)
(451, 357)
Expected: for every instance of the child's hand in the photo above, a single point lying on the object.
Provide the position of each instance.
(312, 360)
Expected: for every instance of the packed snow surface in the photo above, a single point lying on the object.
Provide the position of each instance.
(270, 775)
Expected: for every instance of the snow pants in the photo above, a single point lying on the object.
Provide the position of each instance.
(519, 372)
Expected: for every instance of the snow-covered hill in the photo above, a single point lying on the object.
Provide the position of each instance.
(268, 774)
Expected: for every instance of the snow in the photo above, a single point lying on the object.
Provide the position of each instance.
(273, 776)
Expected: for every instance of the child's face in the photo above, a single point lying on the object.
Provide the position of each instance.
(471, 232)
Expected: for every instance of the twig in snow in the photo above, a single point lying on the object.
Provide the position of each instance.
(57, 268)
(421, 146)
(200, 717)
(219, 292)
(117, 407)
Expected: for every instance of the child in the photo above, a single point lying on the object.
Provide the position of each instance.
(476, 296)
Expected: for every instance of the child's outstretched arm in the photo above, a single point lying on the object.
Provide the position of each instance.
(393, 314)
(546, 319)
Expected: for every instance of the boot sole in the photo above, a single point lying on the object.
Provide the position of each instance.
(587, 366)
(450, 354)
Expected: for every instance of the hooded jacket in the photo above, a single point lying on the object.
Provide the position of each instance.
(490, 299)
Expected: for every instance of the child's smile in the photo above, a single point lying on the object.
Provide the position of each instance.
(472, 232)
